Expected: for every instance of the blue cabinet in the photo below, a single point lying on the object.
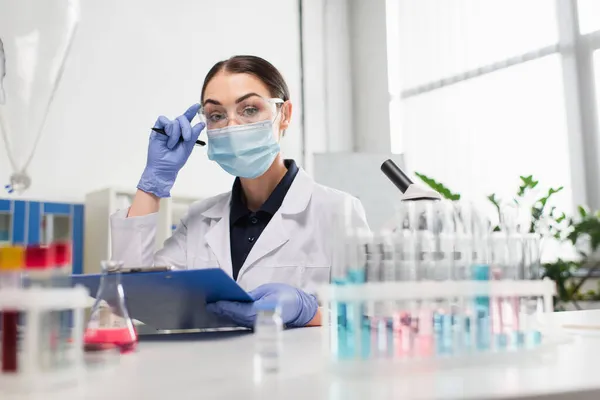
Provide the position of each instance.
(34, 222)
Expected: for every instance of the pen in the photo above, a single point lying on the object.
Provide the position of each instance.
(162, 131)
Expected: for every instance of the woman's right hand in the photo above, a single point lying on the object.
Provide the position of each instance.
(166, 154)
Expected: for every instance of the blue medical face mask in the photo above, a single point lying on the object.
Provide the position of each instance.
(246, 151)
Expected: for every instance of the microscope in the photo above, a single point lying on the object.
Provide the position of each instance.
(410, 191)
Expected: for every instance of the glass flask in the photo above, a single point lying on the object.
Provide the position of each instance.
(109, 325)
(35, 41)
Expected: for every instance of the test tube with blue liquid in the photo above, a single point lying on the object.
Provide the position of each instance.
(502, 320)
(373, 308)
(480, 271)
(530, 308)
(358, 324)
(348, 269)
(426, 249)
(533, 261)
(339, 277)
(463, 259)
(448, 332)
(388, 274)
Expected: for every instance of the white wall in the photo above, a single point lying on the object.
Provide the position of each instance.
(370, 76)
(328, 123)
(135, 60)
(346, 76)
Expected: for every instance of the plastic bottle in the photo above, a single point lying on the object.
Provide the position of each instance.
(268, 330)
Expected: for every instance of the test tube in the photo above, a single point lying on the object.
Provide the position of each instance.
(381, 263)
(62, 264)
(423, 329)
(438, 327)
(468, 326)
(531, 309)
(64, 319)
(480, 271)
(499, 317)
(398, 311)
(373, 311)
(463, 259)
(405, 243)
(357, 328)
(532, 255)
(445, 265)
(366, 309)
(514, 224)
(38, 266)
(426, 249)
(40, 274)
(426, 229)
(339, 277)
(11, 265)
(388, 269)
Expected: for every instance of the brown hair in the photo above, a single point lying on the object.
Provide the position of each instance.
(260, 68)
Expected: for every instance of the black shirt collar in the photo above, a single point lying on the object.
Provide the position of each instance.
(238, 205)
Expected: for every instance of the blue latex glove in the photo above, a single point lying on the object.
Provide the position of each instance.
(166, 155)
(297, 307)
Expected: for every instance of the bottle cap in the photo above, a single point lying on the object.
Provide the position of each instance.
(37, 257)
(11, 258)
(61, 253)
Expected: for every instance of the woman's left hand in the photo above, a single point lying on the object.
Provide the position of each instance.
(297, 307)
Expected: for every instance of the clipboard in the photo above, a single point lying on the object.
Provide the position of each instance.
(174, 300)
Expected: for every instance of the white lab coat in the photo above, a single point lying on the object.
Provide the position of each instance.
(296, 247)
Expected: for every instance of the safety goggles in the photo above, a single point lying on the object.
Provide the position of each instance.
(248, 110)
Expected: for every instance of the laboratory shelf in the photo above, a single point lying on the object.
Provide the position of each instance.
(101, 204)
(26, 222)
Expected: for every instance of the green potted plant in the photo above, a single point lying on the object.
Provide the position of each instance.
(573, 277)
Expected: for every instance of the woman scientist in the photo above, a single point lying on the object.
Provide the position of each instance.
(272, 231)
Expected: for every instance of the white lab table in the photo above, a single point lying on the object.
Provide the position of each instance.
(222, 368)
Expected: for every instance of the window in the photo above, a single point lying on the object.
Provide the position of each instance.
(444, 38)
(478, 136)
(589, 16)
(477, 95)
(597, 79)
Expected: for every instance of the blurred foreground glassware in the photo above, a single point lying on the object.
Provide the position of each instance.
(110, 325)
(11, 266)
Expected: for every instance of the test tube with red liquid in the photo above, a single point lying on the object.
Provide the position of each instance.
(11, 265)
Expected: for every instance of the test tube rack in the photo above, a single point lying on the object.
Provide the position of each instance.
(380, 300)
(32, 305)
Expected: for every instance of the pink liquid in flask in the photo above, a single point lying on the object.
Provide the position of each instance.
(106, 339)
(110, 327)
